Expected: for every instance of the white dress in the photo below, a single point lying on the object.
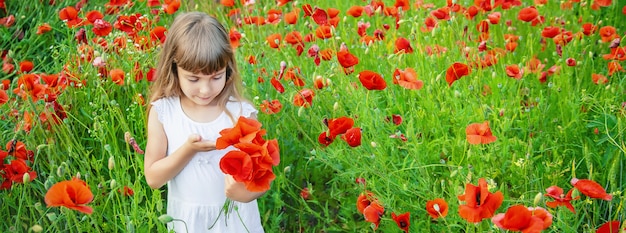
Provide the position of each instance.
(196, 194)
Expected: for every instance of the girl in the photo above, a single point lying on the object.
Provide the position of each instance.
(195, 96)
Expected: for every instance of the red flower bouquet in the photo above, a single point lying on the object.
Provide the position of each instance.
(252, 163)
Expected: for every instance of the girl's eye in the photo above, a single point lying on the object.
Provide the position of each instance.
(193, 80)
(218, 77)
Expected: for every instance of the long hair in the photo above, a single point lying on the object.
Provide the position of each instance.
(198, 43)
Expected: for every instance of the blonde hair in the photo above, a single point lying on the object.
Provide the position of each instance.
(198, 43)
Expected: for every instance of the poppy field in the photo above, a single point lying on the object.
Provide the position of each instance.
(390, 115)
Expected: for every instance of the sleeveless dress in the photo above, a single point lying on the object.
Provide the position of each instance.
(196, 194)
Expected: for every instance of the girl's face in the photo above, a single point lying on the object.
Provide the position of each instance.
(201, 89)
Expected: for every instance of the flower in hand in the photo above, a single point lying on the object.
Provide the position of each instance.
(252, 163)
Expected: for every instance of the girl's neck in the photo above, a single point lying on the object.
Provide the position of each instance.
(200, 113)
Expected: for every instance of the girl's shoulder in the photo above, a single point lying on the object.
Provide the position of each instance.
(165, 106)
(240, 107)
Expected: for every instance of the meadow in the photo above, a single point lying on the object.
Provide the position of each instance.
(391, 116)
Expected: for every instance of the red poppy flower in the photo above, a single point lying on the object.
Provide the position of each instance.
(437, 208)
(599, 79)
(542, 214)
(528, 14)
(274, 40)
(364, 200)
(327, 54)
(588, 29)
(570, 61)
(319, 16)
(456, 71)
(245, 130)
(117, 76)
(303, 98)
(238, 164)
(16, 170)
(430, 23)
(325, 139)
(514, 71)
(603, 3)
(69, 15)
(158, 34)
(617, 53)
(346, 59)
(613, 67)
(403, 45)
(610, 227)
(292, 16)
(93, 15)
(277, 85)
(559, 199)
(407, 78)
(534, 65)
(308, 10)
(127, 191)
(494, 18)
(608, 33)
(550, 31)
(591, 189)
(339, 126)
(26, 66)
(372, 80)
(101, 27)
(305, 193)
(4, 98)
(483, 26)
(18, 149)
(479, 202)
(518, 218)
(261, 180)
(479, 133)
(171, 6)
(73, 194)
(403, 220)
(271, 107)
(43, 28)
(323, 32)
(442, 13)
(373, 212)
(355, 11)
(352, 137)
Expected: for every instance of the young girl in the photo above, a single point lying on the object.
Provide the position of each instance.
(195, 96)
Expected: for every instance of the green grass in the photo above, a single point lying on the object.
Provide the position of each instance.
(537, 146)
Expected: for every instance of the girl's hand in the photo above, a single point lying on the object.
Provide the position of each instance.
(197, 144)
(237, 191)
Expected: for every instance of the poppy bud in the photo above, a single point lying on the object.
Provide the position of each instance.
(335, 106)
(78, 175)
(36, 228)
(26, 178)
(49, 182)
(111, 162)
(373, 144)
(287, 169)
(52, 217)
(165, 218)
(60, 171)
(538, 199)
(113, 183)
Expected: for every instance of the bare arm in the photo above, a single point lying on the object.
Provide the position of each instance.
(160, 168)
